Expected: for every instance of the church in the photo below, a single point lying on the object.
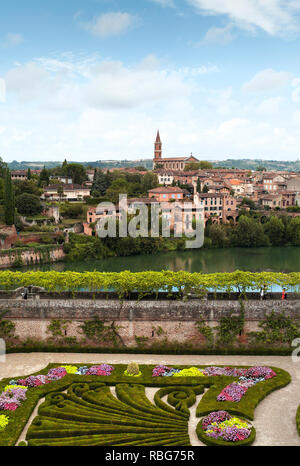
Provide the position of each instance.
(172, 163)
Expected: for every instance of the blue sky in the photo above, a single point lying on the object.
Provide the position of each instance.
(94, 79)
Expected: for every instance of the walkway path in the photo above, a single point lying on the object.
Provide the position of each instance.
(274, 417)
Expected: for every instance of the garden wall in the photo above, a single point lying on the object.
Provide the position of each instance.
(31, 256)
(151, 320)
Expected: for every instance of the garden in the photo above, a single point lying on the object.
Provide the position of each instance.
(134, 405)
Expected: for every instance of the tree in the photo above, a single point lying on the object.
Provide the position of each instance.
(100, 184)
(249, 203)
(293, 231)
(149, 181)
(202, 165)
(275, 230)
(9, 200)
(26, 186)
(72, 211)
(28, 174)
(44, 177)
(198, 188)
(28, 204)
(205, 189)
(118, 186)
(249, 233)
(60, 192)
(76, 171)
(217, 234)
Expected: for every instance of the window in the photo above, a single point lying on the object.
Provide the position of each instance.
(164, 196)
(178, 196)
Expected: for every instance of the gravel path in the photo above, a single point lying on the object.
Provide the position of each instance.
(274, 417)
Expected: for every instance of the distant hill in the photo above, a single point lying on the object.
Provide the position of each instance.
(249, 164)
(147, 163)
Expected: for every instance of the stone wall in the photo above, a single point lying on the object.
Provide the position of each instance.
(30, 257)
(151, 319)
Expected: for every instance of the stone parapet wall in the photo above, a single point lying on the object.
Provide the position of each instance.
(30, 257)
(164, 310)
(149, 320)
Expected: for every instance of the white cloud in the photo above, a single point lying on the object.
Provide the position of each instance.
(267, 80)
(86, 108)
(296, 91)
(270, 106)
(12, 40)
(218, 35)
(57, 83)
(110, 24)
(272, 16)
(26, 80)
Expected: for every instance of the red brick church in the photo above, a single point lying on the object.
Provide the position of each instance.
(172, 163)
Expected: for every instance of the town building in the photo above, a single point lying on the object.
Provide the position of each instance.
(170, 163)
(66, 192)
(166, 194)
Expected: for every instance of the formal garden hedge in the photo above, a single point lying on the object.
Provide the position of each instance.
(82, 409)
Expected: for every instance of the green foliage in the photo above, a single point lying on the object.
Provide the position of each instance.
(202, 165)
(133, 368)
(8, 199)
(149, 282)
(7, 327)
(229, 328)
(97, 331)
(218, 235)
(100, 184)
(276, 329)
(58, 328)
(249, 233)
(26, 186)
(275, 230)
(206, 331)
(293, 231)
(72, 210)
(28, 204)
(44, 177)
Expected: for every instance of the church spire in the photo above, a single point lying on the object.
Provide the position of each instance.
(157, 147)
(158, 137)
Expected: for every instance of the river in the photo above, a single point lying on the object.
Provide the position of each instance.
(270, 259)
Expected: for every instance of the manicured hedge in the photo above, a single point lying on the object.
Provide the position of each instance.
(88, 414)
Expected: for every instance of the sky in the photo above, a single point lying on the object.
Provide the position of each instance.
(93, 80)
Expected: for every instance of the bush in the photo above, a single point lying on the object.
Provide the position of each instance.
(133, 368)
(28, 204)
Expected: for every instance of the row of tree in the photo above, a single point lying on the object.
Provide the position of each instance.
(250, 232)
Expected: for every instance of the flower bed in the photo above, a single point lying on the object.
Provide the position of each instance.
(15, 393)
(222, 427)
(235, 391)
(248, 377)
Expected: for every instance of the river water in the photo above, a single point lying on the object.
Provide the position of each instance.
(201, 260)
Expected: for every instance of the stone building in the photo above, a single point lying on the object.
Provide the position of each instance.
(171, 163)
